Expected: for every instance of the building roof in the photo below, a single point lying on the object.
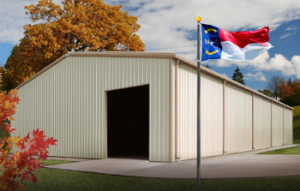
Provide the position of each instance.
(153, 55)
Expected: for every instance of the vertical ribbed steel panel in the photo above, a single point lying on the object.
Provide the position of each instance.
(187, 94)
(211, 116)
(238, 131)
(211, 110)
(277, 125)
(68, 102)
(288, 126)
(172, 101)
(19, 116)
(262, 123)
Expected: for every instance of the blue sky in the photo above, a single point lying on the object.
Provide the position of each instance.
(170, 26)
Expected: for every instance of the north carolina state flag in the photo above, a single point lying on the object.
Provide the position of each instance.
(218, 43)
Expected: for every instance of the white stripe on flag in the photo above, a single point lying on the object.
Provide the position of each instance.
(231, 51)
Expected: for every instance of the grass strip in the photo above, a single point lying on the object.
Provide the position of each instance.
(54, 180)
(55, 162)
(286, 151)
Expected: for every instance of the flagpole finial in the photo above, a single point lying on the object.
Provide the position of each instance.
(198, 19)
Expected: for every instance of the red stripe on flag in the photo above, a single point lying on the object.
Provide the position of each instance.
(243, 38)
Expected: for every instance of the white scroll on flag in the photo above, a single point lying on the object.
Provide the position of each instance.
(218, 43)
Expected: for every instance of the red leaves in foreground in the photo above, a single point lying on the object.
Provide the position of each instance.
(19, 158)
(8, 109)
(23, 162)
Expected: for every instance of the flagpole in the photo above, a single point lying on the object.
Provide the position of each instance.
(198, 103)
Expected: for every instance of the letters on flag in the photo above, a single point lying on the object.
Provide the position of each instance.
(243, 45)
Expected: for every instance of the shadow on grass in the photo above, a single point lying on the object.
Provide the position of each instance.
(53, 179)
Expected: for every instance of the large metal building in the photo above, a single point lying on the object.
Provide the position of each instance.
(139, 104)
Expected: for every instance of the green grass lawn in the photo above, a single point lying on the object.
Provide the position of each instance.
(54, 162)
(296, 124)
(287, 151)
(56, 180)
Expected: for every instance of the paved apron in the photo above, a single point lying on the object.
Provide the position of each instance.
(240, 165)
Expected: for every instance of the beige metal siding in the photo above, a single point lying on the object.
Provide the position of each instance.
(262, 123)
(20, 116)
(68, 102)
(277, 125)
(173, 109)
(211, 110)
(238, 131)
(211, 116)
(288, 126)
(187, 96)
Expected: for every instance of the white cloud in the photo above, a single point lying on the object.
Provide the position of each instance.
(296, 63)
(221, 63)
(290, 31)
(277, 63)
(285, 35)
(13, 18)
(169, 25)
(291, 28)
(258, 76)
(225, 75)
(265, 63)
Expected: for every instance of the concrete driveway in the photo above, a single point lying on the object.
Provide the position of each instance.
(240, 165)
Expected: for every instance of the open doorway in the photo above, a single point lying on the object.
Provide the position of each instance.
(128, 122)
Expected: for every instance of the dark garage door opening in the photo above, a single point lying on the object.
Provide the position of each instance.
(128, 122)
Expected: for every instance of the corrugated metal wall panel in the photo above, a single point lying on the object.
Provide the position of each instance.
(187, 111)
(30, 102)
(262, 123)
(20, 116)
(277, 125)
(68, 102)
(173, 109)
(288, 126)
(211, 109)
(238, 131)
(211, 116)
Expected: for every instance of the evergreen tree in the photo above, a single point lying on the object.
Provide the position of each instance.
(238, 76)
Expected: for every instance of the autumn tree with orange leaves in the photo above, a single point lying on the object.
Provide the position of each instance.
(19, 157)
(16, 70)
(290, 92)
(287, 92)
(77, 25)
